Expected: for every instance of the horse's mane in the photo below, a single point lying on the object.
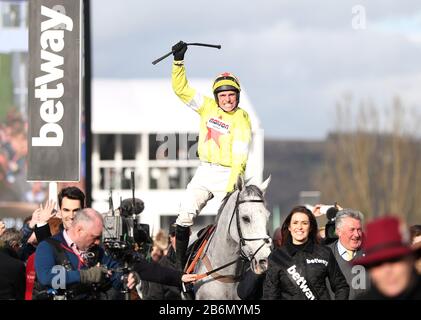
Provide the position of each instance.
(224, 202)
(250, 190)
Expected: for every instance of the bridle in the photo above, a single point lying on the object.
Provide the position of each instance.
(236, 212)
(242, 242)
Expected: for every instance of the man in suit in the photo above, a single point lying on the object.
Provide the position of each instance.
(348, 227)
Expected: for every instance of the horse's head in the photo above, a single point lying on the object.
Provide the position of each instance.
(248, 223)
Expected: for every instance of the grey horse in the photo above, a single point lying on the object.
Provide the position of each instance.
(225, 245)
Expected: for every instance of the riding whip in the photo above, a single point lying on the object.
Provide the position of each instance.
(189, 44)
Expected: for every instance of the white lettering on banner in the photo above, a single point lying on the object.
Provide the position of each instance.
(51, 133)
(301, 282)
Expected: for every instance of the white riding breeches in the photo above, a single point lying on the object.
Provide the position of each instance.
(210, 180)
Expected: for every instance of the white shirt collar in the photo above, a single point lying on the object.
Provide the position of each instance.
(68, 240)
(341, 249)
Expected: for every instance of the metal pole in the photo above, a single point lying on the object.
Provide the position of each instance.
(53, 191)
(87, 99)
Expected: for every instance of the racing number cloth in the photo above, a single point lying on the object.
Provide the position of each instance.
(224, 137)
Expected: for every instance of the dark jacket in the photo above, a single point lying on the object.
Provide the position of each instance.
(299, 274)
(44, 232)
(26, 249)
(153, 272)
(251, 286)
(413, 292)
(158, 291)
(12, 275)
(41, 233)
(347, 269)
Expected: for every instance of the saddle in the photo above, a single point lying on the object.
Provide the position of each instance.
(195, 250)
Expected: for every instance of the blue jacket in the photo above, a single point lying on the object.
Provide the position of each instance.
(45, 261)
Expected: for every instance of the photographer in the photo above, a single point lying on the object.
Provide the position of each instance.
(330, 228)
(70, 248)
(83, 275)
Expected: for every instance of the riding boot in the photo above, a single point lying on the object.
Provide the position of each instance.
(182, 235)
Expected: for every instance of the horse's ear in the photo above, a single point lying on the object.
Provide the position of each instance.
(265, 184)
(247, 181)
(240, 183)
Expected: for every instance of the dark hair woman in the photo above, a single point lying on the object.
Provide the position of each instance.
(299, 268)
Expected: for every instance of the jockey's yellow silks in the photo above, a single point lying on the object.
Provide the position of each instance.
(224, 137)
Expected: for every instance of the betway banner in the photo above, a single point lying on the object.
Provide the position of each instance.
(54, 90)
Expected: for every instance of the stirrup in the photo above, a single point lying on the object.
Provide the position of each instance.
(187, 292)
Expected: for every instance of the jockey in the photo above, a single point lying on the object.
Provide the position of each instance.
(224, 138)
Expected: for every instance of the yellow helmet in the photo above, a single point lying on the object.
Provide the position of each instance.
(226, 81)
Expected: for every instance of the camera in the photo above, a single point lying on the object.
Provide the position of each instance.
(124, 238)
(120, 223)
(122, 231)
(324, 209)
(330, 230)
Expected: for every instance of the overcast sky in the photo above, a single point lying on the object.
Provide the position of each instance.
(294, 58)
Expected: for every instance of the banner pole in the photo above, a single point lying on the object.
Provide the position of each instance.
(53, 191)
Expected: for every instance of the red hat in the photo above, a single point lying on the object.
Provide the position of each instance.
(383, 241)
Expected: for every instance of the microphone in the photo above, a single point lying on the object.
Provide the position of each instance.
(331, 213)
(126, 207)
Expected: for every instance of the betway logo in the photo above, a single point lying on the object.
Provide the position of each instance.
(301, 282)
(315, 260)
(51, 111)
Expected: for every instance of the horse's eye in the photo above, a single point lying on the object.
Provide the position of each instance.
(246, 219)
